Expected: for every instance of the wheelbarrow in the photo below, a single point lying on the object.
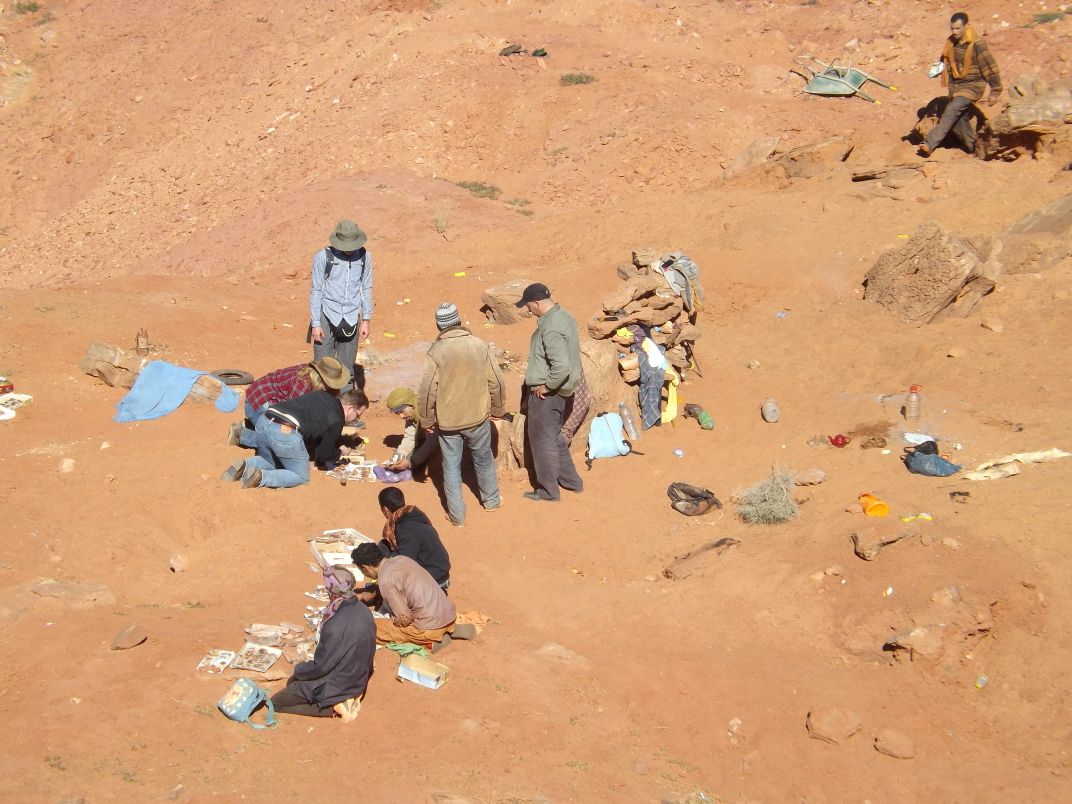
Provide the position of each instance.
(834, 79)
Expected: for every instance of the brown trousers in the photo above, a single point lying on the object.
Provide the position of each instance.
(387, 631)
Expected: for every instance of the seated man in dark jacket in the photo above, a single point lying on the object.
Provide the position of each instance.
(334, 682)
(293, 435)
(408, 532)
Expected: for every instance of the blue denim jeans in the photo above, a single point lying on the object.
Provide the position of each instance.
(281, 457)
(248, 438)
(453, 443)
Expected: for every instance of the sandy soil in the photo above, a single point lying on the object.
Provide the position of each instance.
(174, 167)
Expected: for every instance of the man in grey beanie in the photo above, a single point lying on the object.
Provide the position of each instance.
(460, 390)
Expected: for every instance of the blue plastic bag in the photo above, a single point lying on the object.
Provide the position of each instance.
(920, 463)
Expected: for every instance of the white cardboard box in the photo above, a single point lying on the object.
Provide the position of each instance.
(422, 670)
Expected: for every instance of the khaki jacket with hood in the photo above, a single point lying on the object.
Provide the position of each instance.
(462, 384)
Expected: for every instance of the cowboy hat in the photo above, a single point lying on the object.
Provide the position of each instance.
(332, 372)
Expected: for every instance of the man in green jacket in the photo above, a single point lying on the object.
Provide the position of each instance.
(461, 389)
(553, 372)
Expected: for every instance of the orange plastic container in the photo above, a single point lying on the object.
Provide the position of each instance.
(873, 506)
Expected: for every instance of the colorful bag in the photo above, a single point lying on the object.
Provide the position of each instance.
(243, 699)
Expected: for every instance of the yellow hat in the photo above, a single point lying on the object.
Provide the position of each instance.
(400, 398)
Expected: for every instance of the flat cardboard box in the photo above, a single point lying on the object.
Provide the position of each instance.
(422, 670)
(332, 549)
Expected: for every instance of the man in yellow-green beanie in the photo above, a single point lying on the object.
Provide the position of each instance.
(416, 447)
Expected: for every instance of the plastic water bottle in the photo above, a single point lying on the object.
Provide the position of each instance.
(769, 411)
(627, 420)
(912, 404)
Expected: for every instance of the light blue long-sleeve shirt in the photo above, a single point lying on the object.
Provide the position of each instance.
(347, 293)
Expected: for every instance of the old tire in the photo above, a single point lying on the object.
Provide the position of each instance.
(233, 376)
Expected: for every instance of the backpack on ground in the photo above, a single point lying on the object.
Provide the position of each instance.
(606, 437)
(242, 700)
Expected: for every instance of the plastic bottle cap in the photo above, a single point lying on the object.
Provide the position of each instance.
(915, 389)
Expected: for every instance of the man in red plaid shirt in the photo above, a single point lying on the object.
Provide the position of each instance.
(284, 384)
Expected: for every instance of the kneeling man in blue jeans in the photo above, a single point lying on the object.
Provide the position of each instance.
(294, 435)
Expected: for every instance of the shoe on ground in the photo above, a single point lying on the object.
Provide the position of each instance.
(538, 496)
(233, 432)
(924, 150)
(499, 507)
(455, 524)
(463, 631)
(252, 480)
(444, 642)
(233, 472)
(348, 709)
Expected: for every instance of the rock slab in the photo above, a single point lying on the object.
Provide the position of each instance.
(78, 594)
(894, 743)
(869, 539)
(130, 637)
(833, 724)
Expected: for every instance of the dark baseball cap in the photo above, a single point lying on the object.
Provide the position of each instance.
(534, 292)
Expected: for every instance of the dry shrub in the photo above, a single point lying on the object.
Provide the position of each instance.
(769, 502)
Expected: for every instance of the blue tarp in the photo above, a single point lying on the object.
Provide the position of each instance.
(160, 388)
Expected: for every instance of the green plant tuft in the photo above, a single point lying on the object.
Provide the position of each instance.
(1051, 16)
(479, 189)
(572, 79)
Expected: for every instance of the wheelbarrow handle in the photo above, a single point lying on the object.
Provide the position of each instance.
(855, 90)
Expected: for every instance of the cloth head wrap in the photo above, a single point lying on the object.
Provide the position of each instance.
(340, 584)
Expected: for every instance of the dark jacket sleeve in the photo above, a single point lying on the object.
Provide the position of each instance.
(418, 539)
(327, 448)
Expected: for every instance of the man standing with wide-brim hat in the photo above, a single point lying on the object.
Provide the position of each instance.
(340, 301)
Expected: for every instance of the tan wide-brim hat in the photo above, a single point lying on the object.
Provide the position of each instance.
(332, 372)
(348, 236)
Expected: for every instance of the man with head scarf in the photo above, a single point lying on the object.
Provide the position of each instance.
(408, 532)
(416, 447)
(334, 681)
(970, 68)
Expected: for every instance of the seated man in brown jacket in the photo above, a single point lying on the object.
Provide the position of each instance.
(420, 612)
